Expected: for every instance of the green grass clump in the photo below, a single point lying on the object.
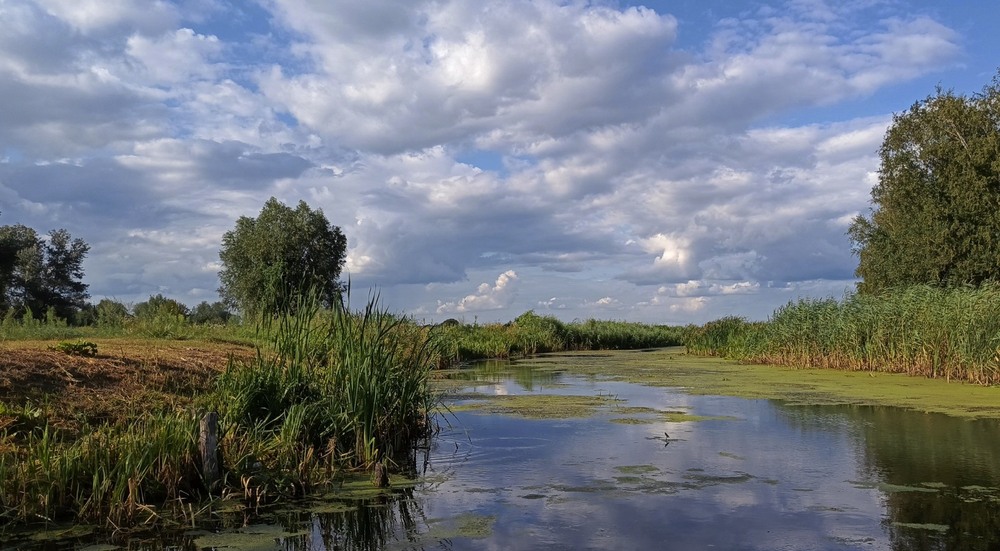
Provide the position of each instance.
(77, 348)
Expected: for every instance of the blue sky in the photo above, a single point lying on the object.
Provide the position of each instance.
(667, 162)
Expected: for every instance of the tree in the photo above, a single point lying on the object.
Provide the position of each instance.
(111, 313)
(214, 313)
(269, 260)
(38, 274)
(935, 217)
(158, 306)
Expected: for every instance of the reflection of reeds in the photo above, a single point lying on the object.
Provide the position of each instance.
(949, 333)
(331, 389)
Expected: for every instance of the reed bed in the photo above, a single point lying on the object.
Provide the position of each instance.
(950, 333)
(531, 334)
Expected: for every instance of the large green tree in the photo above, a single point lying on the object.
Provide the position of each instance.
(269, 260)
(935, 216)
(37, 274)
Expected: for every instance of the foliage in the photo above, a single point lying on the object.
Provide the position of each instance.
(936, 207)
(269, 260)
(210, 313)
(530, 334)
(952, 333)
(111, 313)
(159, 305)
(37, 274)
(77, 348)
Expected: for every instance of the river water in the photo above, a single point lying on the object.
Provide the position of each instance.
(717, 473)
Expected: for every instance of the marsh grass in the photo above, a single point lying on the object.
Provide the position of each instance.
(327, 390)
(532, 334)
(950, 333)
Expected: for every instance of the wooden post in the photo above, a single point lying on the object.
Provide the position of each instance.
(208, 445)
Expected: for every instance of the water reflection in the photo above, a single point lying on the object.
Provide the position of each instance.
(759, 475)
(939, 474)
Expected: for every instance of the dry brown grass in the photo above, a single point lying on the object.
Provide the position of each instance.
(126, 375)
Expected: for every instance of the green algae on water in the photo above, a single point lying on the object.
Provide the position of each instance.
(463, 526)
(685, 417)
(539, 406)
(632, 421)
(263, 537)
(637, 469)
(916, 526)
(896, 488)
(672, 367)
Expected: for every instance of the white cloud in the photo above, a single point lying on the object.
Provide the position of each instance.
(91, 16)
(500, 295)
(575, 144)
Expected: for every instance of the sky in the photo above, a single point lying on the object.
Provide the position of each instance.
(662, 162)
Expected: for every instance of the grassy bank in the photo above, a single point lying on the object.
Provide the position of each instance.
(926, 331)
(325, 391)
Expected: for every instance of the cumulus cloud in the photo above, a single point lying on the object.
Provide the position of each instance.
(486, 297)
(577, 144)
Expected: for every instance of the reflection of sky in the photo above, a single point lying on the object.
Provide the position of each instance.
(552, 482)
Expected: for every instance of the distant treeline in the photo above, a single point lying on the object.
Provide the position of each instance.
(157, 317)
(951, 333)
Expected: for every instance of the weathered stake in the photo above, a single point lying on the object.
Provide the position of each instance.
(208, 445)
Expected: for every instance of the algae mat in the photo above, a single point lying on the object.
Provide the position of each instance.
(672, 367)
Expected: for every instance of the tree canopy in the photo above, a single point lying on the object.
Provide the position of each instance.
(935, 216)
(37, 274)
(267, 261)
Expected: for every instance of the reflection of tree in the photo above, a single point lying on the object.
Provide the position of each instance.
(939, 470)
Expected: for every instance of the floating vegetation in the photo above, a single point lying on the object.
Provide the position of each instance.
(895, 488)
(807, 386)
(702, 480)
(262, 537)
(685, 417)
(915, 526)
(633, 421)
(637, 469)
(462, 526)
(539, 406)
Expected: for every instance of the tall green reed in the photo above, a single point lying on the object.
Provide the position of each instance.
(951, 333)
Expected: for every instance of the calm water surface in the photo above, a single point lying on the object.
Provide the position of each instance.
(764, 476)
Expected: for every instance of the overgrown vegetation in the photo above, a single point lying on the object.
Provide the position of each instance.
(328, 390)
(951, 333)
(531, 334)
